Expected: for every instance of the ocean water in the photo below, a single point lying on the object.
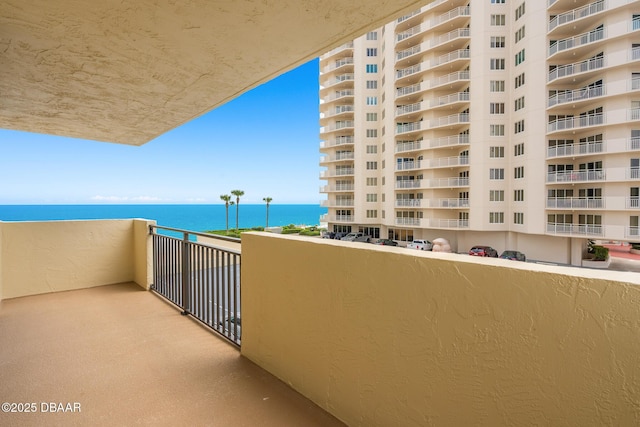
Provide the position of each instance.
(186, 217)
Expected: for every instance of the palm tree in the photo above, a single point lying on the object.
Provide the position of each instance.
(227, 202)
(267, 200)
(237, 193)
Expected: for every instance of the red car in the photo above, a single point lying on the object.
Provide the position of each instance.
(483, 251)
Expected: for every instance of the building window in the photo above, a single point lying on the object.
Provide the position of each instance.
(520, 34)
(372, 51)
(371, 197)
(372, 133)
(496, 173)
(496, 64)
(372, 117)
(518, 218)
(372, 84)
(497, 1)
(498, 20)
(372, 213)
(496, 108)
(372, 100)
(372, 182)
(519, 126)
(372, 149)
(372, 35)
(497, 42)
(518, 149)
(519, 80)
(496, 86)
(496, 195)
(520, 57)
(519, 103)
(518, 195)
(520, 11)
(372, 165)
(496, 217)
(496, 130)
(372, 68)
(496, 152)
(518, 172)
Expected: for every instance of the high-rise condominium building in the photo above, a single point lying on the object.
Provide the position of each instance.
(508, 123)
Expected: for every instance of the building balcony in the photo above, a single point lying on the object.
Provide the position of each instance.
(337, 126)
(408, 127)
(451, 203)
(345, 94)
(341, 81)
(408, 203)
(446, 162)
(575, 203)
(139, 344)
(572, 44)
(346, 63)
(343, 50)
(336, 203)
(446, 182)
(338, 110)
(632, 202)
(408, 146)
(446, 223)
(337, 172)
(408, 184)
(576, 96)
(586, 230)
(341, 218)
(582, 68)
(576, 122)
(454, 17)
(453, 119)
(413, 222)
(577, 176)
(337, 142)
(448, 141)
(578, 14)
(336, 188)
(409, 165)
(632, 233)
(450, 58)
(338, 157)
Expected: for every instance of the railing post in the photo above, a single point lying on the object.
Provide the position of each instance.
(186, 275)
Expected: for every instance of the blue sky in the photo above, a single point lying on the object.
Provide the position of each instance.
(264, 143)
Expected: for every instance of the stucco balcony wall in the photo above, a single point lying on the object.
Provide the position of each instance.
(53, 256)
(381, 336)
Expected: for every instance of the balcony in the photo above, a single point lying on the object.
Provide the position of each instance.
(575, 203)
(574, 96)
(415, 222)
(132, 343)
(446, 223)
(408, 203)
(453, 119)
(576, 122)
(586, 230)
(337, 172)
(447, 182)
(452, 203)
(446, 162)
(582, 67)
(577, 176)
(571, 43)
(575, 14)
(337, 203)
(580, 149)
(337, 142)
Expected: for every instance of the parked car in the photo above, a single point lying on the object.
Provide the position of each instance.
(486, 251)
(386, 242)
(356, 237)
(339, 235)
(513, 255)
(421, 244)
(329, 235)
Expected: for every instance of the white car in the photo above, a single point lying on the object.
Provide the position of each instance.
(420, 244)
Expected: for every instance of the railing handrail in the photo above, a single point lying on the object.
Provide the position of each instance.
(577, 13)
(576, 67)
(153, 227)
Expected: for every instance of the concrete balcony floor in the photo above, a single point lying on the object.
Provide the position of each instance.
(129, 358)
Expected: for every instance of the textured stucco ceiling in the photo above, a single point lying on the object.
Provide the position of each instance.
(128, 71)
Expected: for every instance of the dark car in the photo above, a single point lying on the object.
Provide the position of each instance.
(513, 255)
(329, 235)
(483, 251)
(385, 242)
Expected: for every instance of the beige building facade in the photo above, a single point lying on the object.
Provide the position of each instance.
(514, 124)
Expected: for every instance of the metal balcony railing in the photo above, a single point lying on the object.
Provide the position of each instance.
(410, 183)
(410, 108)
(576, 68)
(452, 56)
(578, 13)
(408, 203)
(576, 95)
(575, 229)
(449, 99)
(408, 33)
(632, 203)
(633, 143)
(200, 278)
(574, 203)
(408, 221)
(632, 232)
(338, 63)
(633, 173)
(403, 166)
(579, 40)
(449, 78)
(338, 95)
(446, 141)
(408, 71)
(575, 149)
(407, 52)
(408, 127)
(453, 13)
(447, 182)
(448, 223)
(450, 120)
(448, 161)
(577, 176)
(408, 90)
(576, 122)
(408, 146)
(448, 203)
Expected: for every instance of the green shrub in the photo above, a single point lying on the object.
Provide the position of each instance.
(291, 230)
(257, 229)
(310, 232)
(600, 253)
